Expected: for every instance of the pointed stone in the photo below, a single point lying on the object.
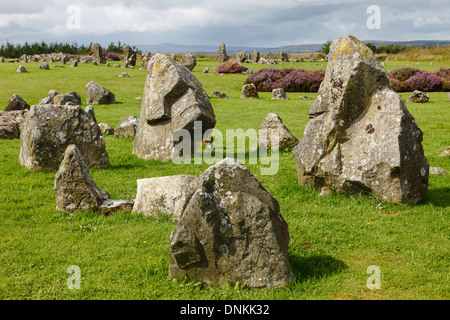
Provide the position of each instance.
(274, 135)
(173, 100)
(231, 226)
(16, 103)
(222, 53)
(75, 189)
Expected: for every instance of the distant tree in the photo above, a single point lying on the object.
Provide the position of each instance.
(372, 46)
(326, 47)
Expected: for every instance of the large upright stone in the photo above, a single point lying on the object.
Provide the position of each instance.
(129, 57)
(231, 230)
(284, 57)
(145, 59)
(75, 189)
(49, 129)
(222, 53)
(173, 99)
(255, 56)
(360, 135)
(189, 61)
(97, 53)
(97, 94)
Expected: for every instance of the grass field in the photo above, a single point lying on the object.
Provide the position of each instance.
(125, 256)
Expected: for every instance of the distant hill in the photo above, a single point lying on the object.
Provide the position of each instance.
(301, 48)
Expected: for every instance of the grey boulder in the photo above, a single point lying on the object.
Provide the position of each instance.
(231, 230)
(274, 135)
(173, 100)
(47, 131)
(127, 127)
(16, 103)
(74, 187)
(97, 94)
(360, 136)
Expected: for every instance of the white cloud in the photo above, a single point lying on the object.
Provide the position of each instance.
(249, 22)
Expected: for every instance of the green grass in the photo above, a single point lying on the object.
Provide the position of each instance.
(124, 256)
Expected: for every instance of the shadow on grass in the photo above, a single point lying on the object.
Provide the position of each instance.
(439, 197)
(316, 266)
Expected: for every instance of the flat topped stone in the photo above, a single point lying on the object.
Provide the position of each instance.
(164, 195)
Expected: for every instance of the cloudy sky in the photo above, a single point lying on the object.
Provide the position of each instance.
(258, 23)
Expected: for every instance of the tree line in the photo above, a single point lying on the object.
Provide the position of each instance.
(11, 50)
(384, 48)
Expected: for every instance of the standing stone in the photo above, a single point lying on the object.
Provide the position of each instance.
(418, 97)
(75, 189)
(284, 57)
(361, 136)
(249, 91)
(173, 99)
(164, 195)
(272, 130)
(16, 103)
(231, 226)
(129, 57)
(255, 56)
(222, 53)
(127, 128)
(96, 94)
(97, 54)
(74, 63)
(279, 94)
(49, 129)
(2, 59)
(145, 58)
(21, 69)
(189, 61)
